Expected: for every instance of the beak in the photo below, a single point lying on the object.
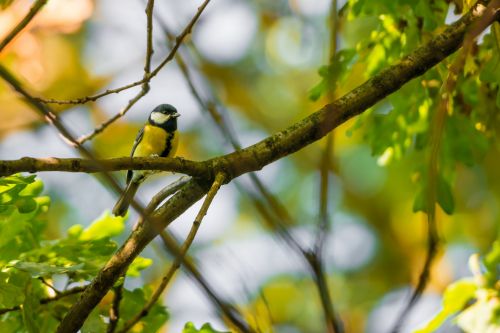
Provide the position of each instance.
(175, 115)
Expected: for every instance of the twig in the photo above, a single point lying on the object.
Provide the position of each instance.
(146, 78)
(219, 180)
(315, 257)
(228, 310)
(62, 294)
(178, 41)
(326, 157)
(37, 6)
(333, 322)
(149, 38)
(114, 311)
(57, 292)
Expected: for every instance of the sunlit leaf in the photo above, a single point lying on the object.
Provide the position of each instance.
(455, 298)
(104, 226)
(206, 328)
(138, 265)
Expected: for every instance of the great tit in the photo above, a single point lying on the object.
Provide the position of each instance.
(158, 137)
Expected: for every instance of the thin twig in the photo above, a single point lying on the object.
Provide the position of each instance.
(315, 257)
(49, 285)
(62, 294)
(149, 38)
(219, 180)
(178, 41)
(326, 158)
(37, 6)
(146, 78)
(114, 311)
(227, 309)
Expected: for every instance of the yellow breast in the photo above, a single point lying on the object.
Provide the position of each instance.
(154, 142)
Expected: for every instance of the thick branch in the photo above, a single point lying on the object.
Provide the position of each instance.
(29, 164)
(269, 150)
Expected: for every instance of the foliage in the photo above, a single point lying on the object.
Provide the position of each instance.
(29, 263)
(473, 303)
(206, 328)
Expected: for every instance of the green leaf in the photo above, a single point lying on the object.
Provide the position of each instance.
(17, 180)
(33, 189)
(492, 259)
(318, 90)
(30, 309)
(206, 328)
(138, 265)
(94, 323)
(105, 226)
(455, 297)
(420, 201)
(10, 294)
(445, 196)
(36, 269)
(134, 301)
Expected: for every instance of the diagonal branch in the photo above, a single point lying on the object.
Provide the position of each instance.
(219, 180)
(37, 6)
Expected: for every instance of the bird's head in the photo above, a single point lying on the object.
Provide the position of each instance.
(164, 115)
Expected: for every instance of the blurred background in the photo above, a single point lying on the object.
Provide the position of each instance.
(257, 61)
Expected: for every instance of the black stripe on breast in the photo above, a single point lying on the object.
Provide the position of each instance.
(168, 144)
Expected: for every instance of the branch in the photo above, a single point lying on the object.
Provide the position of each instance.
(37, 6)
(269, 150)
(61, 294)
(179, 39)
(219, 180)
(30, 164)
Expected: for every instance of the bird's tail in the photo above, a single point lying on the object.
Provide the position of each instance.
(121, 206)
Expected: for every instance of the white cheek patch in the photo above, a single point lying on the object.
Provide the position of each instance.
(159, 118)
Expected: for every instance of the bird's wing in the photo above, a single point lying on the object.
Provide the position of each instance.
(138, 140)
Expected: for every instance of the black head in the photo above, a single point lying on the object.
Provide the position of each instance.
(164, 115)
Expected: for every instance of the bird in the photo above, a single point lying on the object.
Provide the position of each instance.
(158, 137)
